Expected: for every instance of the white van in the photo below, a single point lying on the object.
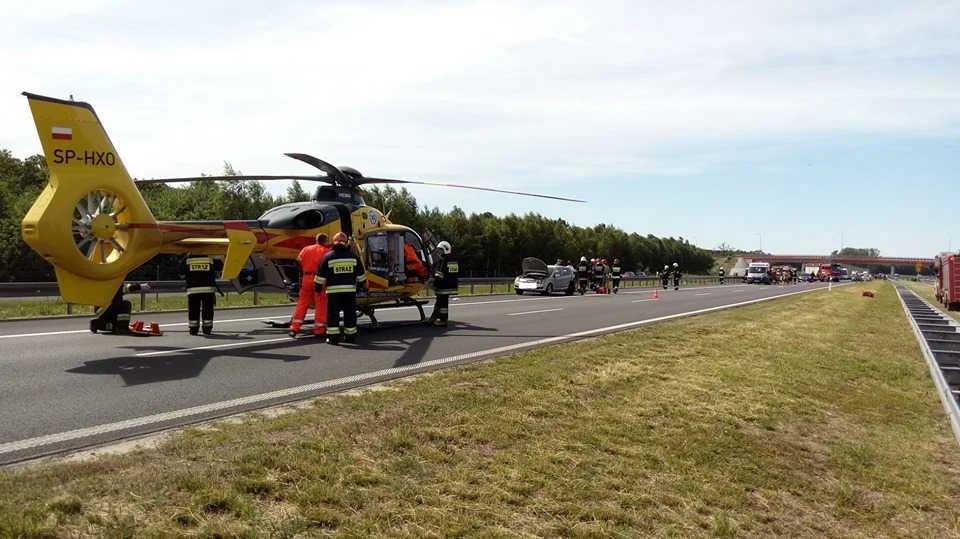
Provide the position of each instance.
(758, 272)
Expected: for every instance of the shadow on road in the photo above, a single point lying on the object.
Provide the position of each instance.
(415, 340)
(181, 364)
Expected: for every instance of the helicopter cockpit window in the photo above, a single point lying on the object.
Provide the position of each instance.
(396, 257)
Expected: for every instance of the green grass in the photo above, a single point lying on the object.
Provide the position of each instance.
(760, 421)
(925, 289)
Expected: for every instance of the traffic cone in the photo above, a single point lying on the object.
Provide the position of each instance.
(154, 328)
(137, 325)
(656, 294)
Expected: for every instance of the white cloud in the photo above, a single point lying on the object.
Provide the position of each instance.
(522, 95)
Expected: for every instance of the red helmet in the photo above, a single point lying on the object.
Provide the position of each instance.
(604, 261)
(340, 238)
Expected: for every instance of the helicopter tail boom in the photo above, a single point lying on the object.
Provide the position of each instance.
(90, 221)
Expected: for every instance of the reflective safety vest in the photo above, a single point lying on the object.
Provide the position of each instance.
(616, 270)
(200, 273)
(341, 271)
(446, 278)
(583, 269)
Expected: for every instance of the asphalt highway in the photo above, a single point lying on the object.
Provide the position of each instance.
(62, 388)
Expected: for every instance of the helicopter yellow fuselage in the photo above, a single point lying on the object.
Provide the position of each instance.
(93, 225)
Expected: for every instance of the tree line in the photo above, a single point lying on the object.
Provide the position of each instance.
(488, 245)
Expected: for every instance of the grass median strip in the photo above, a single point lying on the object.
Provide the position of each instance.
(808, 416)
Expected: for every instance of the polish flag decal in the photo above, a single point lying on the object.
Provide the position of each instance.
(62, 133)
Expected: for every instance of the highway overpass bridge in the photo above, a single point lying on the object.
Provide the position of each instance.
(852, 260)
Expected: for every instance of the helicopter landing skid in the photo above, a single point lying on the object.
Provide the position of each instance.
(285, 325)
(370, 312)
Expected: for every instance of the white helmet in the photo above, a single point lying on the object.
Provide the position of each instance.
(445, 247)
(675, 264)
(583, 259)
(666, 266)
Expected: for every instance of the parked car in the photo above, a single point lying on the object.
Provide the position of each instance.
(539, 277)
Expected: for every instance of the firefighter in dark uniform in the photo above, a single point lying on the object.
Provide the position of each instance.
(665, 277)
(200, 273)
(597, 273)
(583, 274)
(616, 270)
(445, 284)
(115, 318)
(676, 276)
(341, 271)
(722, 273)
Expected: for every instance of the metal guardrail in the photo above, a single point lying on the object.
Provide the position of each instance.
(477, 286)
(939, 338)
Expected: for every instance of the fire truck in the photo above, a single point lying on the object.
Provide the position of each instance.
(829, 272)
(947, 288)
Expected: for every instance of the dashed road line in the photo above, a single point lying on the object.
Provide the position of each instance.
(534, 312)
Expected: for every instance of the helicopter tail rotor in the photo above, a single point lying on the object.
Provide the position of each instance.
(90, 222)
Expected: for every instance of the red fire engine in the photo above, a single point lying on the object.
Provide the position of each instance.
(947, 289)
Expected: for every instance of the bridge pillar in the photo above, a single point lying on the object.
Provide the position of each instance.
(891, 271)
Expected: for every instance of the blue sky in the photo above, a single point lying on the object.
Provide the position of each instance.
(803, 126)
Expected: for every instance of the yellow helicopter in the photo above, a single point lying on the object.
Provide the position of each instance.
(93, 225)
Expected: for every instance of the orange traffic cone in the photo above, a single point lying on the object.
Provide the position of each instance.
(137, 325)
(154, 328)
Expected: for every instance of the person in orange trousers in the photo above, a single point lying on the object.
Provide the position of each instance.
(309, 259)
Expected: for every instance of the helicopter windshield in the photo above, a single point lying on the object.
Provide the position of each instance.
(396, 256)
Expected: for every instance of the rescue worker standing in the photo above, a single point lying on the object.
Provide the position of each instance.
(309, 259)
(200, 272)
(445, 282)
(597, 273)
(722, 273)
(676, 276)
(665, 276)
(583, 274)
(615, 271)
(341, 271)
(116, 317)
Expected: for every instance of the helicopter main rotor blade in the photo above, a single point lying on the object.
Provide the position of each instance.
(234, 179)
(366, 180)
(333, 172)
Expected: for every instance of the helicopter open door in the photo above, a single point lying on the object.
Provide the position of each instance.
(396, 256)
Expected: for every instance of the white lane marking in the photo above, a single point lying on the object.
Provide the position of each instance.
(76, 434)
(642, 300)
(68, 332)
(704, 294)
(648, 290)
(216, 322)
(210, 347)
(534, 312)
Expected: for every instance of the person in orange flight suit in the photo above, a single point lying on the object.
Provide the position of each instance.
(309, 259)
(412, 263)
